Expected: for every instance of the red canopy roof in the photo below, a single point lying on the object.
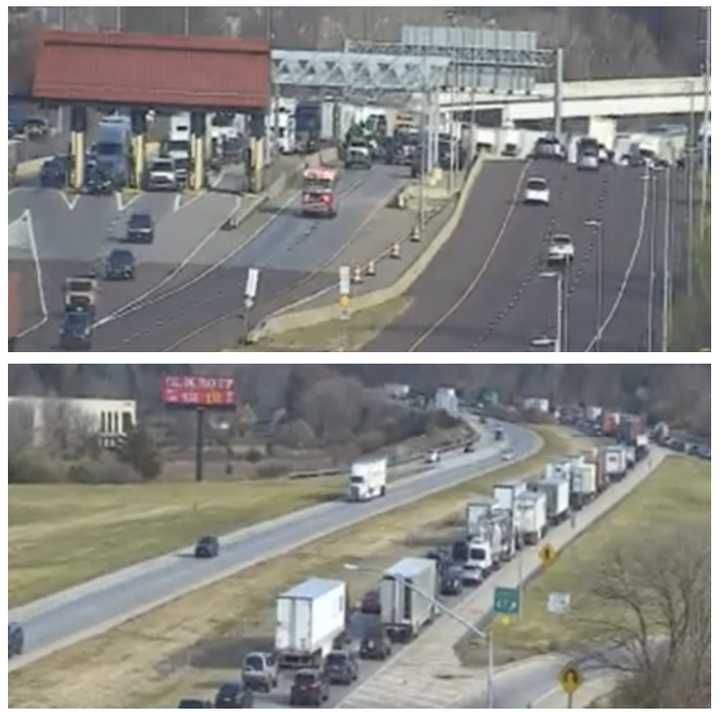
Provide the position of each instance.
(156, 70)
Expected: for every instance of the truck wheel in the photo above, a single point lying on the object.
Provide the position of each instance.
(382, 490)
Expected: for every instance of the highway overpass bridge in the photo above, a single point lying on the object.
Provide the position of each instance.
(612, 97)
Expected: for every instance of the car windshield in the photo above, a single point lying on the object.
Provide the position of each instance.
(208, 540)
(108, 149)
(336, 658)
(121, 256)
(140, 220)
(77, 319)
(305, 678)
(537, 184)
(477, 553)
(254, 662)
(162, 166)
(179, 146)
(561, 240)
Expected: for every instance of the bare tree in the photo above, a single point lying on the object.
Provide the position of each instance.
(651, 620)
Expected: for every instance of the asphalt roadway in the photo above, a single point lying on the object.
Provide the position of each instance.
(61, 619)
(192, 277)
(483, 291)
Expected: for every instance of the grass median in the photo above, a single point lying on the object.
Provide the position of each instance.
(676, 494)
(197, 641)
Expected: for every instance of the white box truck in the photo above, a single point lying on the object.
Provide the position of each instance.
(368, 479)
(505, 494)
(558, 469)
(532, 509)
(557, 494)
(615, 460)
(309, 617)
(404, 611)
(584, 484)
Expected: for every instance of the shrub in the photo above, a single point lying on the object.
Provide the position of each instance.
(105, 471)
(34, 466)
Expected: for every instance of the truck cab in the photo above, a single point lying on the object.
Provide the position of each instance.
(480, 555)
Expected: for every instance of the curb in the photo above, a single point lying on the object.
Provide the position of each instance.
(278, 323)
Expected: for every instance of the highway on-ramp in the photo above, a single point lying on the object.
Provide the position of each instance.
(484, 290)
(59, 620)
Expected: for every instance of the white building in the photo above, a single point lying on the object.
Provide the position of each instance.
(445, 398)
(538, 404)
(109, 418)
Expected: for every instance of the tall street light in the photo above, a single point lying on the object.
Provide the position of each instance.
(485, 635)
(599, 229)
(557, 275)
(666, 264)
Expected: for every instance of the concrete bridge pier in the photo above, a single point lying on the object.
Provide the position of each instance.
(138, 123)
(257, 150)
(197, 150)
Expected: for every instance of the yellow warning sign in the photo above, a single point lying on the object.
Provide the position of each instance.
(344, 301)
(547, 554)
(570, 678)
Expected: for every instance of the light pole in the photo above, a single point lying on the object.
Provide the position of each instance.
(557, 275)
(485, 635)
(706, 125)
(599, 228)
(666, 265)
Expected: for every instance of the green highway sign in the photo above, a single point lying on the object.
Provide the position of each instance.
(507, 601)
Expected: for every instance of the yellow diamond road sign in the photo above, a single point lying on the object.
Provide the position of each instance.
(570, 678)
(344, 301)
(547, 554)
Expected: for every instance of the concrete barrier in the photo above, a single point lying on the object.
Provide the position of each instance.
(279, 322)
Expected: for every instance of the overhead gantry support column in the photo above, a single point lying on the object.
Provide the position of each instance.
(78, 126)
(138, 118)
(197, 141)
(558, 91)
(257, 133)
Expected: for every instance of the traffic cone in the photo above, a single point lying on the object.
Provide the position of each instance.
(395, 250)
(357, 275)
(415, 235)
(370, 270)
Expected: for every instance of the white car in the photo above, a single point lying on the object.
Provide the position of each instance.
(162, 175)
(508, 455)
(537, 191)
(432, 457)
(561, 249)
(472, 574)
(588, 162)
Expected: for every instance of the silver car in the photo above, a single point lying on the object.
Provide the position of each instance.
(588, 162)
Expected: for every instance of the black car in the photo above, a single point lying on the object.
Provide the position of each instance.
(207, 547)
(120, 265)
(460, 551)
(76, 331)
(53, 173)
(451, 582)
(376, 645)
(234, 695)
(98, 182)
(310, 686)
(195, 704)
(140, 228)
(469, 448)
(341, 667)
(442, 558)
(16, 639)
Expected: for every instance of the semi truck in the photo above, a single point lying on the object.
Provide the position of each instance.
(611, 422)
(532, 510)
(309, 617)
(403, 610)
(615, 462)
(368, 479)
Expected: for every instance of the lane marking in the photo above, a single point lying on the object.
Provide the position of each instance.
(176, 206)
(123, 207)
(483, 269)
(70, 204)
(27, 217)
(628, 272)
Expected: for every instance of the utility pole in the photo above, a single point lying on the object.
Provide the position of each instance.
(558, 91)
(651, 279)
(118, 19)
(199, 444)
(691, 197)
(187, 21)
(666, 261)
(706, 125)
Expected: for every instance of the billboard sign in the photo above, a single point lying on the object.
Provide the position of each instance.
(197, 391)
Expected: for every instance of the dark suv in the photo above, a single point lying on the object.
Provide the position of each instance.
(76, 331)
(234, 695)
(376, 645)
(120, 265)
(207, 547)
(16, 639)
(140, 228)
(195, 704)
(310, 686)
(341, 667)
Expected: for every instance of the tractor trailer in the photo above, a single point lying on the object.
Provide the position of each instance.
(368, 479)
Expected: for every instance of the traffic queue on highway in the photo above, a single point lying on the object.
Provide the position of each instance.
(320, 636)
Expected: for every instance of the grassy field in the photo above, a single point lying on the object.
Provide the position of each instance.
(677, 493)
(337, 335)
(197, 641)
(62, 535)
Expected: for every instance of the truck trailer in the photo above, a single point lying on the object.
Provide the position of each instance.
(403, 610)
(615, 462)
(557, 498)
(532, 509)
(584, 484)
(309, 617)
(368, 479)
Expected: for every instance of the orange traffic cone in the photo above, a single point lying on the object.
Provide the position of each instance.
(395, 250)
(370, 270)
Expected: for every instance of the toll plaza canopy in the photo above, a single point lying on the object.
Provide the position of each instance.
(153, 70)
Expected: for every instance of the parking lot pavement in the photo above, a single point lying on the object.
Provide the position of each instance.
(427, 673)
